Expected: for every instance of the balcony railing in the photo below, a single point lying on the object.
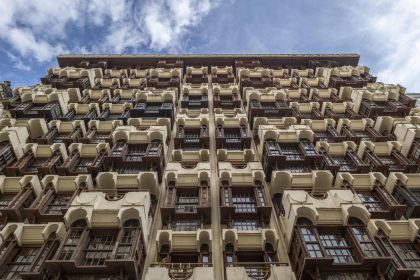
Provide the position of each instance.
(50, 111)
(257, 270)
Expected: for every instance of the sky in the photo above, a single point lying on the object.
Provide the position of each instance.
(386, 33)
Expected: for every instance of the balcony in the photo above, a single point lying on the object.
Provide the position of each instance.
(399, 240)
(107, 235)
(154, 104)
(24, 241)
(286, 83)
(29, 129)
(370, 188)
(196, 75)
(70, 77)
(232, 131)
(297, 95)
(49, 106)
(192, 130)
(95, 96)
(182, 255)
(107, 83)
(164, 78)
(114, 185)
(84, 112)
(315, 183)
(404, 187)
(85, 159)
(338, 111)
(115, 73)
(256, 78)
(134, 83)
(385, 157)
(122, 96)
(112, 112)
(100, 132)
(10, 148)
(289, 149)
(324, 95)
(253, 255)
(136, 151)
(139, 73)
(324, 130)
(386, 125)
(244, 203)
(226, 96)
(337, 252)
(360, 130)
(57, 194)
(312, 83)
(267, 103)
(194, 96)
(38, 160)
(341, 157)
(222, 75)
(372, 104)
(346, 76)
(187, 203)
(63, 132)
(16, 194)
(170, 63)
(306, 111)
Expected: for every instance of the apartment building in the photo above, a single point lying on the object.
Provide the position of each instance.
(209, 167)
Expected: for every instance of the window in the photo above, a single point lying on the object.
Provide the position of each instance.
(99, 248)
(127, 239)
(244, 201)
(5, 199)
(372, 203)
(185, 225)
(409, 255)
(337, 247)
(205, 254)
(57, 203)
(260, 193)
(365, 241)
(311, 242)
(21, 262)
(246, 224)
(72, 240)
(187, 200)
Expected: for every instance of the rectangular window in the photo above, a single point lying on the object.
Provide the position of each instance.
(244, 201)
(246, 224)
(185, 225)
(311, 242)
(337, 247)
(371, 201)
(410, 255)
(21, 262)
(70, 244)
(57, 203)
(365, 241)
(98, 249)
(186, 201)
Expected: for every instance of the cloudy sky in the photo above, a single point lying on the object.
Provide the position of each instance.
(385, 33)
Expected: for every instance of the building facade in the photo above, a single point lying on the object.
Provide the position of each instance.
(209, 167)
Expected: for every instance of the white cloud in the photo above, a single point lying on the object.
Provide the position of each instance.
(393, 30)
(40, 29)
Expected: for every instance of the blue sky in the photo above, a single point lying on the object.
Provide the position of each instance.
(385, 33)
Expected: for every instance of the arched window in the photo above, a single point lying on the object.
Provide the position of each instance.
(73, 239)
(270, 253)
(130, 232)
(205, 254)
(229, 254)
(164, 254)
